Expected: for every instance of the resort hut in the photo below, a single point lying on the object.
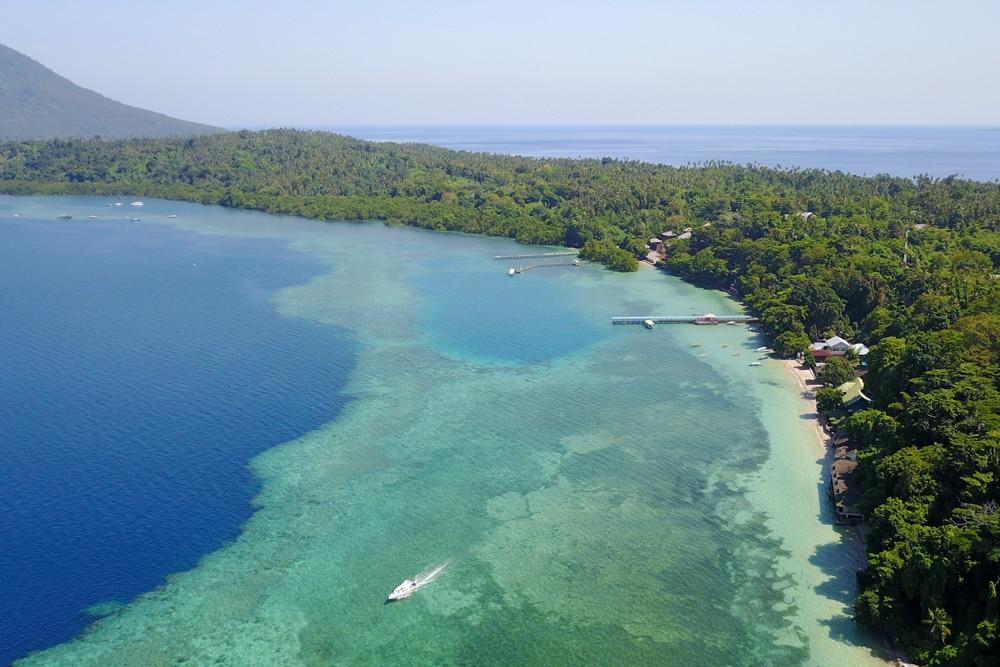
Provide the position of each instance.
(840, 468)
(854, 396)
(685, 235)
(654, 244)
(666, 236)
(844, 492)
(845, 452)
(834, 346)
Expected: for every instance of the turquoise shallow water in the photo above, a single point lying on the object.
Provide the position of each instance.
(604, 495)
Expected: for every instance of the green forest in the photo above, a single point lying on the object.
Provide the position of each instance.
(911, 267)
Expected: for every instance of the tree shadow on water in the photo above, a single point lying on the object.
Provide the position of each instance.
(840, 561)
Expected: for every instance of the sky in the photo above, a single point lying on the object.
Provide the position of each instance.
(312, 63)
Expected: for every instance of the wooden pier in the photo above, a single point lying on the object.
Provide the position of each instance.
(680, 319)
(537, 255)
(522, 269)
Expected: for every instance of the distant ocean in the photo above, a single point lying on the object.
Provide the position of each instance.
(970, 152)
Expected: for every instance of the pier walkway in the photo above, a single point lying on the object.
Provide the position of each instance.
(672, 319)
(540, 254)
(522, 269)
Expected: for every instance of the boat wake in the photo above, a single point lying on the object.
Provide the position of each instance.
(429, 575)
(421, 579)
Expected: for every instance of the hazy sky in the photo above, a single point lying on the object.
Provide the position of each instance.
(302, 62)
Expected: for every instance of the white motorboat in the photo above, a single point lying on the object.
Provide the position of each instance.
(510, 271)
(137, 204)
(411, 586)
(404, 590)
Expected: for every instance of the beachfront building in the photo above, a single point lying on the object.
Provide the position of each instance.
(854, 395)
(845, 452)
(654, 244)
(836, 346)
(844, 491)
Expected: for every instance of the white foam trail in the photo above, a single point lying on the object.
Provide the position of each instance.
(428, 575)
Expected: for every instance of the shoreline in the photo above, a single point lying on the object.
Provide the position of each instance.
(824, 442)
(803, 378)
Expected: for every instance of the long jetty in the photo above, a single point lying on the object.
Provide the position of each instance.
(522, 269)
(535, 255)
(675, 319)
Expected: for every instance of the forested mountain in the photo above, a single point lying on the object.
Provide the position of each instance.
(911, 267)
(35, 102)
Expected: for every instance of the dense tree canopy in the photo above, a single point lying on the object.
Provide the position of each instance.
(909, 266)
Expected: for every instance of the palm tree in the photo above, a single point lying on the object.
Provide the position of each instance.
(939, 624)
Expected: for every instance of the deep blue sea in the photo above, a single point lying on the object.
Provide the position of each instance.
(142, 367)
(971, 152)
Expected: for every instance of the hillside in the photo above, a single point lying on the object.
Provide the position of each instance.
(35, 102)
